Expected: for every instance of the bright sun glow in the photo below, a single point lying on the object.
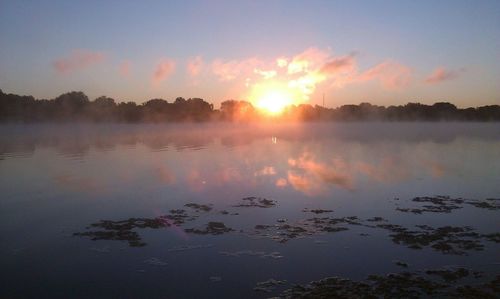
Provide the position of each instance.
(272, 98)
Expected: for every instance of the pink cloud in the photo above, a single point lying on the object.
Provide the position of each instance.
(441, 74)
(195, 66)
(76, 60)
(268, 74)
(311, 176)
(339, 65)
(230, 70)
(282, 62)
(281, 182)
(391, 74)
(124, 68)
(164, 69)
(307, 61)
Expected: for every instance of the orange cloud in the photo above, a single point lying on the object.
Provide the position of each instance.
(298, 76)
(195, 66)
(164, 69)
(306, 85)
(78, 59)
(392, 75)
(303, 184)
(307, 61)
(281, 182)
(311, 177)
(267, 170)
(282, 62)
(441, 74)
(316, 66)
(266, 74)
(124, 68)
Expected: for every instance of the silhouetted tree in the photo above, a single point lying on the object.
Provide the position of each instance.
(70, 105)
(75, 106)
(233, 110)
(102, 109)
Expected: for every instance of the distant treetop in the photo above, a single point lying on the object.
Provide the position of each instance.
(76, 106)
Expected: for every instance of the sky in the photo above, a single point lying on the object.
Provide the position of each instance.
(382, 52)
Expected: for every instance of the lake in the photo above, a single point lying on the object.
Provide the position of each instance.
(248, 211)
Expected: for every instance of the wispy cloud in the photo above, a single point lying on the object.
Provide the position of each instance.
(266, 74)
(307, 61)
(78, 59)
(232, 69)
(164, 69)
(195, 66)
(441, 74)
(339, 64)
(298, 76)
(125, 68)
(391, 74)
(282, 62)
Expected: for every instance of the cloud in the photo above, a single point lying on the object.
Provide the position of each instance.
(266, 74)
(339, 65)
(78, 59)
(267, 170)
(441, 74)
(282, 62)
(298, 76)
(311, 177)
(231, 70)
(281, 182)
(306, 85)
(307, 61)
(164, 69)
(391, 74)
(195, 65)
(124, 68)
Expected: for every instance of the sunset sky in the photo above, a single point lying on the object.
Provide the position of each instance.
(382, 52)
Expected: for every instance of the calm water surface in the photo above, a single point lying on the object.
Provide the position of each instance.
(58, 180)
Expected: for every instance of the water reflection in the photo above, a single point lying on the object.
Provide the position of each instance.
(311, 176)
(78, 184)
(76, 140)
(325, 199)
(312, 159)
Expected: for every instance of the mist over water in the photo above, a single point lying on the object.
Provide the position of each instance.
(59, 181)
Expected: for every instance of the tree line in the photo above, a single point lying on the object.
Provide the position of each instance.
(76, 106)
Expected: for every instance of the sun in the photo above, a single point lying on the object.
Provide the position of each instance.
(272, 98)
(273, 101)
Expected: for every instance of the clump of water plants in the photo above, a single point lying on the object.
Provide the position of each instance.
(199, 207)
(269, 285)
(212, 228)
(446, 239)
(398, 285)
(125, 230)
(446, 204)
(261, 254)
(258, 202)
(317, 211)
(283, 232)
(452, 275)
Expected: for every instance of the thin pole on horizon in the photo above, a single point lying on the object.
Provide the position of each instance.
(324, 100)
